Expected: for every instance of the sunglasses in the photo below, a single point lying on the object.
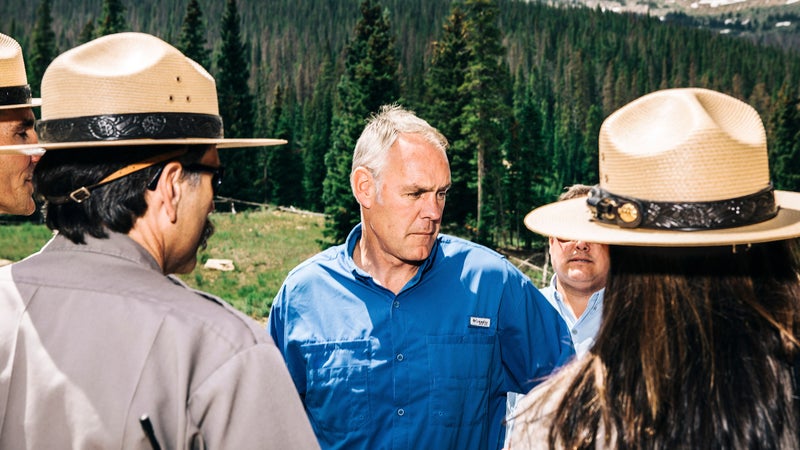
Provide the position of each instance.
(216, 175)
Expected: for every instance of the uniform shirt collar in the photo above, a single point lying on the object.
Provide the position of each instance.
(116, 244)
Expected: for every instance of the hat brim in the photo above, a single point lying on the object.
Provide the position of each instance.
(35, 102)
(571, 219)
(220, 143)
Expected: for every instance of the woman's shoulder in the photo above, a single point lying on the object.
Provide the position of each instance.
(534, 413)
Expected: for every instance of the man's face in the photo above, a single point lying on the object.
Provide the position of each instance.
(579, 264)
(407, 212)
(194, 226)
(16, 128)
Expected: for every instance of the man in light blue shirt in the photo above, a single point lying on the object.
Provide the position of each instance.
(583, 328)
(576, 289)
(403, 337)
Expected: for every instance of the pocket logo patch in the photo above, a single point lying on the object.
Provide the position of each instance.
(480, 322)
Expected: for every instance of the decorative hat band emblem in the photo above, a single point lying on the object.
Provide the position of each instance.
(120, 127)
(629, 214)
(634, 213)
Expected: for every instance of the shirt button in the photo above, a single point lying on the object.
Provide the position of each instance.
(400, 357)
(400, 412)
(574, 331)
(396, 304)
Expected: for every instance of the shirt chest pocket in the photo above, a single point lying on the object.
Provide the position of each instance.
(460, 376)
(337, 391)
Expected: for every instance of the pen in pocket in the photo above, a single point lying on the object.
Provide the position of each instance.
(147, 426)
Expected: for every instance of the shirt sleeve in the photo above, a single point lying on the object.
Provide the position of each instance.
(534, 339)
(250, 402)
(275, 323)
(278, 319)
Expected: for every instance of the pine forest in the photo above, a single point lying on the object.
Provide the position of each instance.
(519, 88)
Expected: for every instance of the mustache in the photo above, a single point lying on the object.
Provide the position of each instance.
(208, 230)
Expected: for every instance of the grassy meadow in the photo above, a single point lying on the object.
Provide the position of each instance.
(263, 244)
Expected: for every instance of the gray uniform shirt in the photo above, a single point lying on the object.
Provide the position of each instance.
(94, 336)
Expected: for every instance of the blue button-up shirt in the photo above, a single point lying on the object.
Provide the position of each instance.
(426, 368)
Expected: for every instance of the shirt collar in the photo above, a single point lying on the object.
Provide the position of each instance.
(116, 244)
(350, 246)
(598, 295)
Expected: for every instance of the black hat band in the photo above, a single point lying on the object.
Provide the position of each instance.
(689, 216)
(120, 127)
(15, 95)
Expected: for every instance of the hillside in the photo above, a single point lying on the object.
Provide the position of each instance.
(285, 34)
(303, 35)
(548, 79)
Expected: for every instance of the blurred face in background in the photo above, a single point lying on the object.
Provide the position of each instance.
(580, 265)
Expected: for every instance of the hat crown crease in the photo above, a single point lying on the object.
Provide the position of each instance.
(705, 154)
(124, 76)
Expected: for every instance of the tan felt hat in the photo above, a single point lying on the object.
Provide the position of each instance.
(678, 167)
(130, 89)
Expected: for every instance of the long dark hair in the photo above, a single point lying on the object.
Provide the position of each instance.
(695, 351)
(114, 206)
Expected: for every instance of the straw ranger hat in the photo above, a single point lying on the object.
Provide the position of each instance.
(14, 89)
(130, 89)
(15, 93)
(678, 167)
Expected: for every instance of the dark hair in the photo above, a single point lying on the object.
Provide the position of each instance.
(695, 351)
(114, 206)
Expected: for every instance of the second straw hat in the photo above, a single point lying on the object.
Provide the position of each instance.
(678, 167)
(131, 89)
(14, 89)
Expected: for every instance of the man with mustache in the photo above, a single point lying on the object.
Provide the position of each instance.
(16, 128)
(100, 346)
(403, 337)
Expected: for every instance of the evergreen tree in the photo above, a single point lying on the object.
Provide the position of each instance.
(87, 32)
(529, 167)
(485, 116)
(369, 81)
(317, 118)
(446, 105)
(13, 31)
(594, 119)
(232, 62)
(44, 46)
(112, 19)
(236, 109)
(192, 41)
(283, 166)
(262, 127)
(785, 143)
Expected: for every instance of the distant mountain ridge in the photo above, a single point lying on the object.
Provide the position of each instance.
(770, 22)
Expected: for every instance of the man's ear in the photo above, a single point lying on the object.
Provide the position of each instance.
(170, 189)
(364, 186)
